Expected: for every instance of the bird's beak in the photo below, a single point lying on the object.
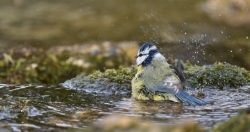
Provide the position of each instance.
(136, 56)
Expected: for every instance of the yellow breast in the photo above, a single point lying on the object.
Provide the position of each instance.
(139, 91)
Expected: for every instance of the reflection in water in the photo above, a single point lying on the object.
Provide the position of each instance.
(172, 113)
(144, 107)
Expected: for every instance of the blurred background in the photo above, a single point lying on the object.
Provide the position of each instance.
(201, 31)
(43, 43)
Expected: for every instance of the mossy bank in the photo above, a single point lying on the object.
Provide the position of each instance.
(219, 75)
(25, 65)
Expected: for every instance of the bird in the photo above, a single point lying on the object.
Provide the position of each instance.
(157, 80)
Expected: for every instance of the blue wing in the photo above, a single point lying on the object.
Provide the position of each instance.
(172, 84)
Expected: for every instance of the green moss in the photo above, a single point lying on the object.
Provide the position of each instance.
(239, 123)
(109, 82)
(33, 65)
(43, 69)
(121, 75)
(219, 75)
(118, 81)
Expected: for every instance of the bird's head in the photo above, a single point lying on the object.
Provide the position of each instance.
(147, 53)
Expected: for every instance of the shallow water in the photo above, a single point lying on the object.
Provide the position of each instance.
(55, 108)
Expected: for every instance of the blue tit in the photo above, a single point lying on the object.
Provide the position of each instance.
(157, 80)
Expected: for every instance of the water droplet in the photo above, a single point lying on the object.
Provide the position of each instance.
(202, 36)
(221, 31)
(185, 33)
(246, 37)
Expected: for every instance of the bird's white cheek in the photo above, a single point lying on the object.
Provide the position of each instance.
(139, 60)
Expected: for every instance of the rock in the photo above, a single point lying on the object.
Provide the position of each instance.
(114, 123)
(220, 75)
(110, 82)
(118, 81)
(233, 12)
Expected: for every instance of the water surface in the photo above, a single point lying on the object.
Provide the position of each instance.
(55, 108)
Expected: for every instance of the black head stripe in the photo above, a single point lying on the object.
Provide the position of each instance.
(145, 45)
(150, 57)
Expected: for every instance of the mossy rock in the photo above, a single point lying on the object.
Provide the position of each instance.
(25, 65)
(118, 81)
(110, 81)
(220, 75)
(42, 69)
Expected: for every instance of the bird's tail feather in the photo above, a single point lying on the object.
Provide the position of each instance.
(185, 97)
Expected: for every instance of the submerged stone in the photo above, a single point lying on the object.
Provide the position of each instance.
(109, 82)
(114, 123)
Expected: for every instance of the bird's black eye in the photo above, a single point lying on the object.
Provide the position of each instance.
(139, 55)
